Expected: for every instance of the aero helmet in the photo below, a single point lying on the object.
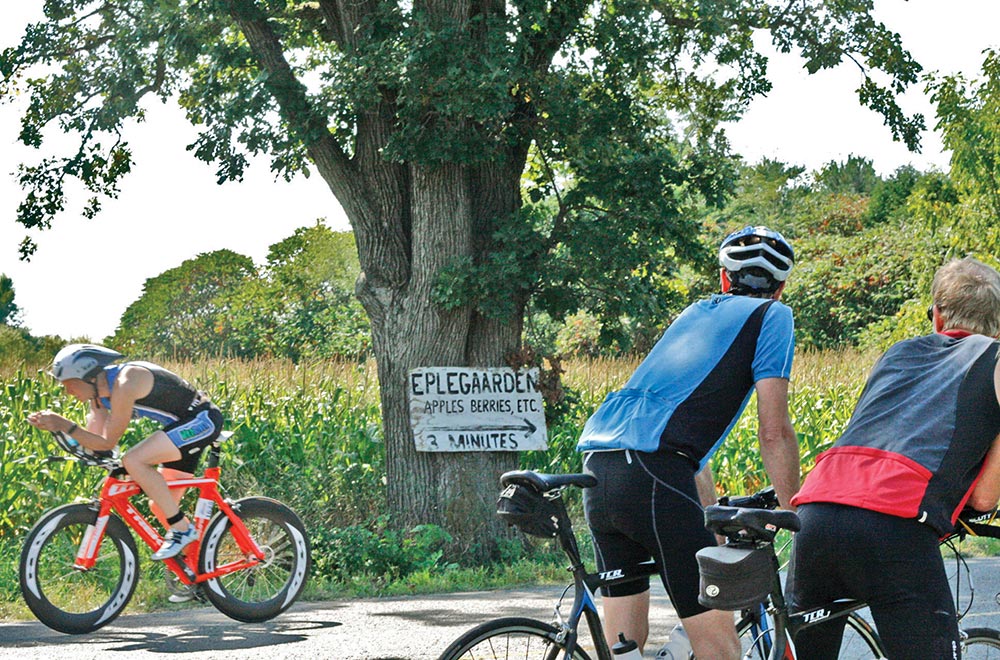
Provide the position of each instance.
(756, 258)
(81, 361)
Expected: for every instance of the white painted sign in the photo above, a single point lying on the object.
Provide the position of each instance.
(468, 409)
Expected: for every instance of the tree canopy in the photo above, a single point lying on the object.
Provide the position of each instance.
(183, 311)
(485, 151)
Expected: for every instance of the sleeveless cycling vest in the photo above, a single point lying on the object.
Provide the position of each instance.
(690, 390)
(915, 444)
(171, 399)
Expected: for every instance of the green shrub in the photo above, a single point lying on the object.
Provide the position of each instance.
(346, 553)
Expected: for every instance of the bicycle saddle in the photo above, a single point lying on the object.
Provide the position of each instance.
(756, 524)
(543, 483)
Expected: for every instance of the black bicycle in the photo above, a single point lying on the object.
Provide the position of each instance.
(533, 502)
(750, 525)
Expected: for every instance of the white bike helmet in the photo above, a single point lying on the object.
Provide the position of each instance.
(82, 361)
(756, 258)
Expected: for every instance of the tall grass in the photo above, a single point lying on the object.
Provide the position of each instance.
(310, 435)
(824, 388)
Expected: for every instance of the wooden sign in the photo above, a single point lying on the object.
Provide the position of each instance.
(469, 409)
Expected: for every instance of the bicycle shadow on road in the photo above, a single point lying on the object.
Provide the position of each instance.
(195, 636)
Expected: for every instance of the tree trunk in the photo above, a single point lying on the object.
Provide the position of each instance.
(409, 222)
(455, 490)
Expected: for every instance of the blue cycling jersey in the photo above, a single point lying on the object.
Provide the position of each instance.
(692, 387)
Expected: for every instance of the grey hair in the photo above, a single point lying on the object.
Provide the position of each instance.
(967, 294)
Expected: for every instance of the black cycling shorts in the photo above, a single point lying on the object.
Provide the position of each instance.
(645, 506)
(192, 434)
(894, 564)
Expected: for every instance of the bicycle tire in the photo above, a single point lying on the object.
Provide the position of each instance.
(980, 643)
(63, 597)
(264, 591)
(860, 641)
(510, 637)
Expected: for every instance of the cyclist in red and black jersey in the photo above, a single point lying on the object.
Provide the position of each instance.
(921, 445)
(116, 394)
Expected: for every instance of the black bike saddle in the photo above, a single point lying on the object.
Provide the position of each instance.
(755, 524)
(543, 483)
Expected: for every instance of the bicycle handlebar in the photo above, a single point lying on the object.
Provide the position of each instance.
(762, 499)
(88, 457)
(976, 523)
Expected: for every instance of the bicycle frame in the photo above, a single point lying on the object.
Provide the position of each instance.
(775, 638)
(584, 586)
(115, 496)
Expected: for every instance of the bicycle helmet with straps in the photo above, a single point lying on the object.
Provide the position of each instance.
(82, 361)
(756, 258)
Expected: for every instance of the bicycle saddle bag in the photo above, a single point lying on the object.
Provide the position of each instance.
(528, 510)
(733, 578)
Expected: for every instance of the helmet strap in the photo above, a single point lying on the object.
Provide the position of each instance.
(96, 399)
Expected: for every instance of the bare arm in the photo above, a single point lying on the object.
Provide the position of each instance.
(986, 492)
(704, 480)
(779, 448)
(96, 419)
(103, 428)
(706, 487)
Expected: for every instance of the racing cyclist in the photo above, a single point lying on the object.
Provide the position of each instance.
(117, 393)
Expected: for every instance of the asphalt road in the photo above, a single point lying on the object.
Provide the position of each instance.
(410, 628)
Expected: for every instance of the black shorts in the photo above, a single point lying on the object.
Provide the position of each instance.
(645, 506)
(893, 564)
(192, 434)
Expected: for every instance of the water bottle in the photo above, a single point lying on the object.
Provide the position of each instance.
(626, 649)
(678, 646)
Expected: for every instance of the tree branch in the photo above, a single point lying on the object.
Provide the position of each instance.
(309, 126)
(158, 78)
(542, 46)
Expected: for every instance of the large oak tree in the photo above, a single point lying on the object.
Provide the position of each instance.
(485, 151)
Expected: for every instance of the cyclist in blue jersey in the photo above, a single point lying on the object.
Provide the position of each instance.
(649, 443)
(117, 393)
(923, 442)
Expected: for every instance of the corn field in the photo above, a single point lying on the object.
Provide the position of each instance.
(310, 435)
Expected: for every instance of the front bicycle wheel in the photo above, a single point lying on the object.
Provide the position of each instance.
(512, 637)
(860, 641)
(263, 591)
(64, 597)
(980, 643)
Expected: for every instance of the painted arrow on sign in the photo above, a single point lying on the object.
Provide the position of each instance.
(528, 427)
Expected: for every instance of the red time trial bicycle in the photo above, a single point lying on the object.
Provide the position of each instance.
(79, 565)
